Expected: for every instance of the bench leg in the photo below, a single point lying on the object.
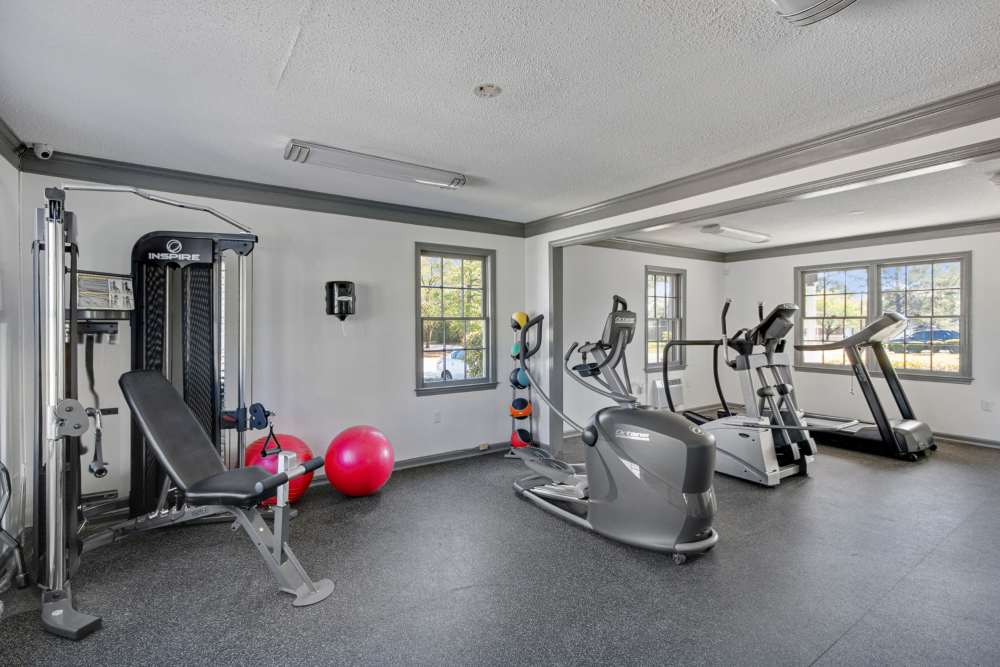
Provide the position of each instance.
(280, 559)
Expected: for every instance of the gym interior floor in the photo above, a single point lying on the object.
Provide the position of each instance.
(871, 561)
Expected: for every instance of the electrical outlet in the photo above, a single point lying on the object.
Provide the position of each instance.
(988, 406)
(436, 416)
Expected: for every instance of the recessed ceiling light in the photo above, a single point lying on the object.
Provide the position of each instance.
(857, 212)
(487, 90)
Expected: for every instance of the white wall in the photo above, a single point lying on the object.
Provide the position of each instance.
(11, 396)
(592, 275)
(319, 377)
(948, 408)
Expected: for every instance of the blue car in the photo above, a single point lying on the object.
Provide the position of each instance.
(919, 341)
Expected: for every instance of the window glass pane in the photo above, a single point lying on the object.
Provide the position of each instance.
(473, 303)
(892, 278)
(669, 305)
(652, 353)
(430, 271)
(474, 333)
(833, 329)
(947, 302)
(472, 270)
(853, 326)
(836, 282)
(857, 305)
(430, 302)
(835, 305)
(650, 284)
(894, 301)
(651, 308)
(918, 343)
(452, 272)
(454, 333)
(660, 307)
(812, 282)
(666, 331)
(812, 330)
(454, 363)
(946, 345)
(433, 366)
(812, 357)
(452, 302)
(918, 276)
(918, 303)
(661, 285)
(947, 274)
(834, 357)
(857, 281)
(433, 334)
(475, 366)
(814, 306)
(671, 286)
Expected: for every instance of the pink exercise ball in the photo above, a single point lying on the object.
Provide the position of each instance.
(289, 443)
(359, 461)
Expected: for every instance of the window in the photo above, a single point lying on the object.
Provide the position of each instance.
(834, 306)
(664, 315)
(455, 319)
(931, 292)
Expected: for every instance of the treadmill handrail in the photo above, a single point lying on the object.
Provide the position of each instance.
(884, 327)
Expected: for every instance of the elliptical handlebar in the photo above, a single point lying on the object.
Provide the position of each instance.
(618, 301)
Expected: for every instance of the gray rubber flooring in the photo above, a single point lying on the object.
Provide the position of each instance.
(870, 561)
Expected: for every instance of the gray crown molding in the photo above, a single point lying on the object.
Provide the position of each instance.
(947, 114)
(950, 230)
(80, 167)
(928, 233)
(665, 249)
(10, 145)
(974, 152)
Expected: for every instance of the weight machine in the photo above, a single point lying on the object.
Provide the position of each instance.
(178, 329)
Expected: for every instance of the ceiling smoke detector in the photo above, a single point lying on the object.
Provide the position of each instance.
(806, 12)
(487, 90)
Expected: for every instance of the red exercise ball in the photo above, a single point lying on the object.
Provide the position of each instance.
(359, 461)
(289, 443)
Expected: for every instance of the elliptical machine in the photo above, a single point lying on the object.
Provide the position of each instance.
(647, 480)
(770, 441)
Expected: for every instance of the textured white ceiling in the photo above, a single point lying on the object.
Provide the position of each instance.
(958, 195)
(600, 98)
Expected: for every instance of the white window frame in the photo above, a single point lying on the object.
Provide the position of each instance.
(875, 309)
(680, 279)
(424, 388)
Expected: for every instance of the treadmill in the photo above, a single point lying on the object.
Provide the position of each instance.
(907, 438)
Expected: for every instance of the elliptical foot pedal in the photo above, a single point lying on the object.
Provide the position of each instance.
(61, 618)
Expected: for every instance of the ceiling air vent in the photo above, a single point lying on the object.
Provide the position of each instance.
(805, 12)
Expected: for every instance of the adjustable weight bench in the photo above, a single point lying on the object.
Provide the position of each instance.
(193, 464)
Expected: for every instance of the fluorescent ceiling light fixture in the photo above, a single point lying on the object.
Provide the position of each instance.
(922, 171)
(666, 225)
(806, 12)
(371, 165)
(736, 233)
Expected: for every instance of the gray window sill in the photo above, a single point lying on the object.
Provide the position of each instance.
(903, 375)
(658, 368)
(456, 388)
